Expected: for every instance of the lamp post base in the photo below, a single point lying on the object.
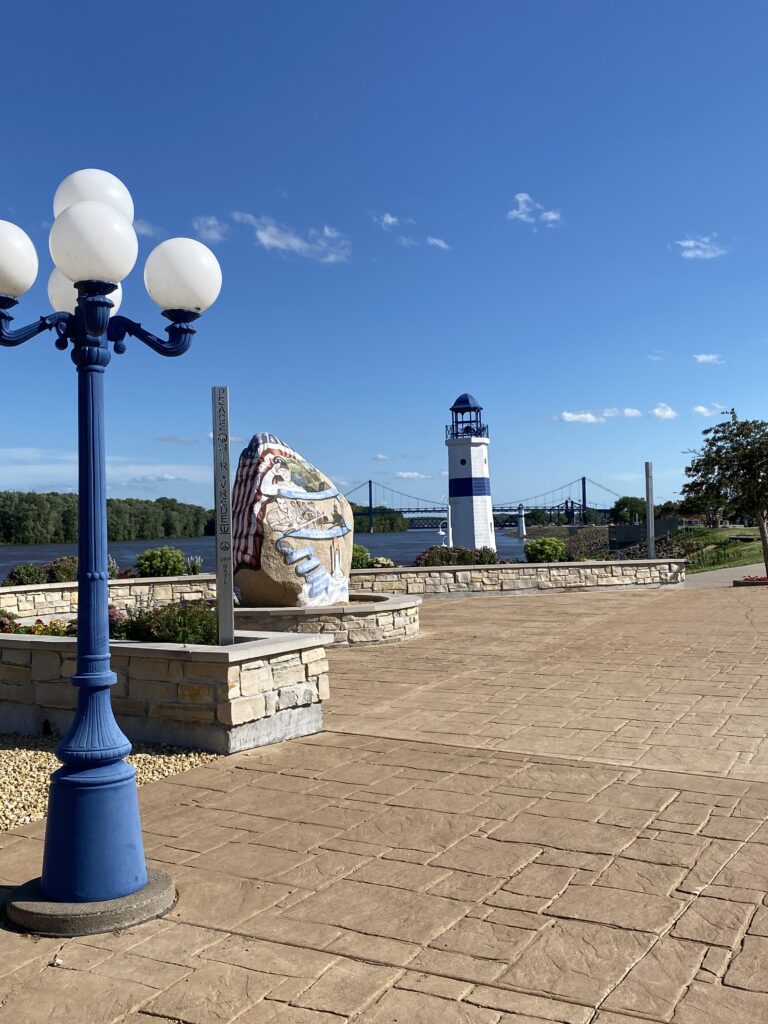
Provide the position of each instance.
(30, 912)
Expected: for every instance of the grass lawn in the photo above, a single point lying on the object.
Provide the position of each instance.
(723, 548)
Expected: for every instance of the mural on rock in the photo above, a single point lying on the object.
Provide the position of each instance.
(292, 529)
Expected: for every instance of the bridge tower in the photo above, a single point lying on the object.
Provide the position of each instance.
(469, 484)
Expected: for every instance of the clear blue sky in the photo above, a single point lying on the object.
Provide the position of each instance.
(554, 205)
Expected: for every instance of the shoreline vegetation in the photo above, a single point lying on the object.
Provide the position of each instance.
(30, 517)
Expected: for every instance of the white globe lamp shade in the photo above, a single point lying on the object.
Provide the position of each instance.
(18, 260)
(63, 294)
(92, 185)
(182, 273)
(91, 241)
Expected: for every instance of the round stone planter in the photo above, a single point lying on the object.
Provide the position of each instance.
(750, 583)
(369, 618)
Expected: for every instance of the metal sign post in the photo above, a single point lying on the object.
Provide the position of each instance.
(650, 516)
(225, 597)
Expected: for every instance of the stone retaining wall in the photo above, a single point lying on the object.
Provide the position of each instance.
(60, 599)
(264, 688)
(520, 578)
(368, 619)
(48, 600)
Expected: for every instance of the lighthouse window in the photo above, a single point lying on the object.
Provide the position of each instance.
(463, 462)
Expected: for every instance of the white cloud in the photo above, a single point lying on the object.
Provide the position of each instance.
(580, 417)
(409, 474)
(525, 209)
(715, 409)
(443, 472)
(551, 218)
(662, 411)
(386, 221)
(438, 243)
(326, 246)
(406, 241)
(176, 439)
(614, 412)
(529, 212)
(210, 229)
(143, 227)
(703, 247)
(655, 357)
(381, 457)
(709, 357)
(628, 478)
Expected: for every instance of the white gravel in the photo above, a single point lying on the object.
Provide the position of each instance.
(26, 763)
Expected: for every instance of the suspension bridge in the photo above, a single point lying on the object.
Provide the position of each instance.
(571, 502)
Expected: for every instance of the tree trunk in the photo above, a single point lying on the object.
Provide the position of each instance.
(763, 537)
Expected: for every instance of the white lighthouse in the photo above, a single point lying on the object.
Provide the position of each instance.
(469, 483)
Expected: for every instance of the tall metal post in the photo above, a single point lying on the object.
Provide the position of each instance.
(93, 843)
(370, 506)
(584, 500)
(225, 598)
(650, 518)
(450, 526)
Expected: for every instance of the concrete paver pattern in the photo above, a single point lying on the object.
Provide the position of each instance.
(542, 810)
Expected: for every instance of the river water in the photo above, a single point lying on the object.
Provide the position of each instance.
(400, 547)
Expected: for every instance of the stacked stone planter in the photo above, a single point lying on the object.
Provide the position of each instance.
(368, 619)
(264, 688)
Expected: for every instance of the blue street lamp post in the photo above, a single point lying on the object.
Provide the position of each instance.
(94, 874)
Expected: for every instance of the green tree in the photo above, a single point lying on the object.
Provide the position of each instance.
(728, 475)
(626, 509)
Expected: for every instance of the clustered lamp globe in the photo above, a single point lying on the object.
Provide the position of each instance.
(96, 186)
(62, 294)
(183, 274)
(18, 261)
(91, 241)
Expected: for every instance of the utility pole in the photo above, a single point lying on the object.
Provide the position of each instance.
(650, 517)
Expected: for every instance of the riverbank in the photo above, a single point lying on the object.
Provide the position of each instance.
(402, 548)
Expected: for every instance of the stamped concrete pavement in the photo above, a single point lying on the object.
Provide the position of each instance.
(493, 830)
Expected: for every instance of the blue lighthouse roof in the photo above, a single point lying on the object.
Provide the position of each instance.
(466, 403)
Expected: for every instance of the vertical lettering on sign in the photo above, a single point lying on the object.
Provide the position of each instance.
(223, 512)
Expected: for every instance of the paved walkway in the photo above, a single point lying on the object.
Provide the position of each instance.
(723, 577)
(543, 810)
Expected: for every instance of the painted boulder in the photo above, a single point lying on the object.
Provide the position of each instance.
(291, 530)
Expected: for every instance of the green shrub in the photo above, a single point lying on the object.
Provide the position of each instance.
(165, 561)
(487, 556)
(546, 549)
(62, 570)
(439, 555)
(194, 565)
(25, 574)
(361, 557)
(192, 623)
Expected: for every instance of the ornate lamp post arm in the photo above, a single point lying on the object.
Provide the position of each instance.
(93, 843)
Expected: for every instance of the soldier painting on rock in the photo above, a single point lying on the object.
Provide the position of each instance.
(292, 529)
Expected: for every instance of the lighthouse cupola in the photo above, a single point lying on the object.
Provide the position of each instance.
(469, 482)
(466, 418)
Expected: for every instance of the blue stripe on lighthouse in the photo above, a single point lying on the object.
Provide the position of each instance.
(469, 487)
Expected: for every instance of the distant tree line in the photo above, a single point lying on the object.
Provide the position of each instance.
(384, 519)
(32, 518)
